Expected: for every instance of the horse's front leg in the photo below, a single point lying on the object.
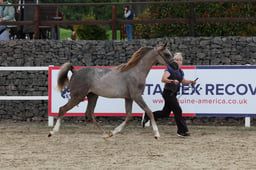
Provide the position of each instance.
(143, 105)
(128, 109)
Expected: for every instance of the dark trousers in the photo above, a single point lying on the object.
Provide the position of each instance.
(171, 104)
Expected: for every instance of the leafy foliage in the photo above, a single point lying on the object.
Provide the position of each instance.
(202, 10)
(242, 10)
(90, 32)
(143, 30)
(73, 13)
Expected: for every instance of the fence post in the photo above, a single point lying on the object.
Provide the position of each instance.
(191, 20)
(36, 22)
(50, 121)
(113, 22)
(247, 122)
(50, 118)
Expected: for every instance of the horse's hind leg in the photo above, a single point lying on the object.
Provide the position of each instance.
(92, 100)
(73, 102)
(128, 108)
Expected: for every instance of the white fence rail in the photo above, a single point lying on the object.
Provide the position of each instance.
(23, 97)
(23, 69)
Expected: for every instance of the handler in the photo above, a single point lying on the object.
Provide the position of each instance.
(172, 78)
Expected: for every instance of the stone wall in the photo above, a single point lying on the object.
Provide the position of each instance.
(197, 51)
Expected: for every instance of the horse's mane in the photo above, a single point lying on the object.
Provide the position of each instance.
(134, 59)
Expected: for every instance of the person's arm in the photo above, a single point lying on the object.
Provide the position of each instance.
(185, 81)
(18, 9)
(127, 14)
(11, 14)
(1, 11)
(166, 80)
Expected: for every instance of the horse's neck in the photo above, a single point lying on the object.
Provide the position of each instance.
(145, 65)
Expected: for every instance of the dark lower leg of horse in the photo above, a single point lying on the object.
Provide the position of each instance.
(62, 111)
(91, 117)
(92, 99)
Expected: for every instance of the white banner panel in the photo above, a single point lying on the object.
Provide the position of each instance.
(220, 91)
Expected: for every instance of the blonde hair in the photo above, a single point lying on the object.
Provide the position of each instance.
(178, 55)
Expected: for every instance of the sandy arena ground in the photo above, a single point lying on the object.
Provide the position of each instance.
(26, 146)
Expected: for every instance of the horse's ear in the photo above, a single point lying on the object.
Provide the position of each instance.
(165, 44)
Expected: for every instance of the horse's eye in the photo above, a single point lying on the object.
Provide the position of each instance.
(166, 55)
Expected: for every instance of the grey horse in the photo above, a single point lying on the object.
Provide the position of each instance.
(125, 81)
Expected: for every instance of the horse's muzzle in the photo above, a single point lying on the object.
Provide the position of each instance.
(173, 65)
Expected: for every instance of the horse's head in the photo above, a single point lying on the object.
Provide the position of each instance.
(164, 56)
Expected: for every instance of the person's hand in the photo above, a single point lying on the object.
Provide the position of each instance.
(1, 19)
(193, 82)
(18, 11)
(175, 82)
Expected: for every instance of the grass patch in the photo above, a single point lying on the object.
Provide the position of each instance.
(109, 33)
(66, 33)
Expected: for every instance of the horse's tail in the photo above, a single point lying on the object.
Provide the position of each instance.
(63, 75)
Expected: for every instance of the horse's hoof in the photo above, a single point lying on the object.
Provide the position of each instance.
(49, 134)
(157, 137)
(105, 136)
(110, 134)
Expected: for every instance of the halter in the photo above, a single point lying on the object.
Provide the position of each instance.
(169, 62)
